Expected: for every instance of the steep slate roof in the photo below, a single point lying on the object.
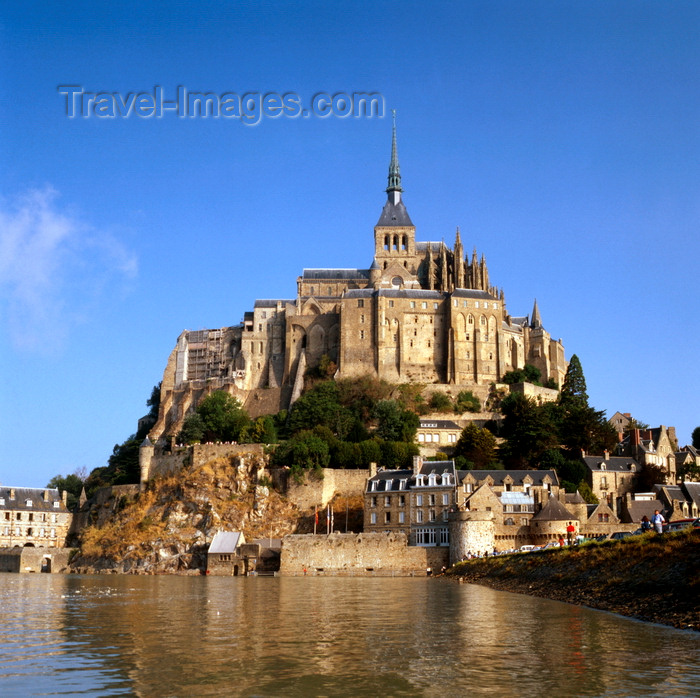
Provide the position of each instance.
(394, 215)
(438, 424)
(518, 476)
(271, 302)
(575, 498)
(226, 542)
(553, 510)
(391, 481)
(616, 464)
(643, 507)
(344, 274)
(473, 293)
(693, 491)
(34, 495)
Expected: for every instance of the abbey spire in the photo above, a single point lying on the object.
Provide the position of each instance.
(394, 185)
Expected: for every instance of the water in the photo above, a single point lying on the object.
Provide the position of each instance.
(206, 636)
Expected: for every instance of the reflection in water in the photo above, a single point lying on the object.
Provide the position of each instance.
(315, 636)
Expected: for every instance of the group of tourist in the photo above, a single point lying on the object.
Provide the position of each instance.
(657, 521)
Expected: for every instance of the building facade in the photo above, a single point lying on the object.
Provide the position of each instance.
(33, 517)
(421, 312)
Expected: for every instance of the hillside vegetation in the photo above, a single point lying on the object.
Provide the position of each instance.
(651, 577)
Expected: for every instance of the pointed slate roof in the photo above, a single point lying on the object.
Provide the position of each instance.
(553, 510)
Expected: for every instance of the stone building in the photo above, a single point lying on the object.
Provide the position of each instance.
(421, 312)
(656, 447)
(418, 502)
(611, 477)
(33, 517)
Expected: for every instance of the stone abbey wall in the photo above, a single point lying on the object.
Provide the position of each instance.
(363, 554)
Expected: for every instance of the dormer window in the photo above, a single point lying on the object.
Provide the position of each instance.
(602, 466)
(387, 484)
(431, 480)
(2, 501)
(373, 486)
(402, 484)
(56, 504)
(27, 502)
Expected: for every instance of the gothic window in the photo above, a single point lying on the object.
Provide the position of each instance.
(482, 320)
(396, 242)
(386, 242)
(404, 243)
(470, 320)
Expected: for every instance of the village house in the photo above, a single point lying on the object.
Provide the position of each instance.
(437, 435)
(611, 477)
(655, 447)
(418, 502)
(33, 517)
(230, 555)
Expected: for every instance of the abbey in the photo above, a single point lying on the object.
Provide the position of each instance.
(422, 313)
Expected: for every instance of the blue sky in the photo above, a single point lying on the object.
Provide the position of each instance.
(562, 137)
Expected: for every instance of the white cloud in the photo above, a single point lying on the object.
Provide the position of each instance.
(53, 269)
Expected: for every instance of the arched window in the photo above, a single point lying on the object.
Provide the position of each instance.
(404, 243)
(386, 242)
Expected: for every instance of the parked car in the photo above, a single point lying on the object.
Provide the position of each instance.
(619, 535)
(678, 525)
(528, 548)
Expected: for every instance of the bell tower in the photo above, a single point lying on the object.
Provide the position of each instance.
(394, 234)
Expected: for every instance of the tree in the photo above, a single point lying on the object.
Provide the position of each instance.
(571, 471)
(477, 446)
(467, 402)
(321, 406)
(304, 451)
(394, 423)
(528, 431)
(573, 391)
(696, 437)
(192, 429)
(223, 416)
(73, 484)
(439, 402)
(261, 431)
(527, 374)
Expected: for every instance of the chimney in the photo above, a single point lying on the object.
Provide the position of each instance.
(372, 469)
(417, 464)
(635, 437)
(606, 454)
(12, 493)
(64, 498)
(583, 453)
(46, 495)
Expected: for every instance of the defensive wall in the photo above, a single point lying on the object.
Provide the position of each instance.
(358, 555)
(314, 490)
(311, 490)
(29, 559)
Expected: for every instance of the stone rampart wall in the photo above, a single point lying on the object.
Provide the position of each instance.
(34, 559)
(363, 554)
(314, 491)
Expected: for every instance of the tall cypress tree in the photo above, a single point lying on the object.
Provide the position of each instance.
(573, 392)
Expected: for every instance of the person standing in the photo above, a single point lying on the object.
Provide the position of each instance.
(658, 521)
(570, 530)
(646, 524)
